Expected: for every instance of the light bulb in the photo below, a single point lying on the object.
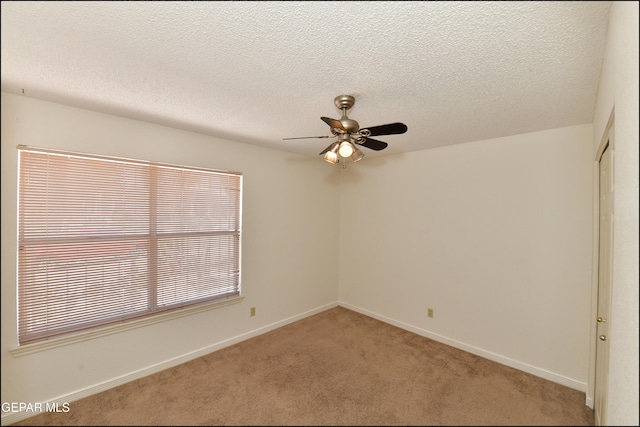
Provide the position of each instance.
(346, 149)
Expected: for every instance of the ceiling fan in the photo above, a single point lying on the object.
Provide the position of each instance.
(349, 135)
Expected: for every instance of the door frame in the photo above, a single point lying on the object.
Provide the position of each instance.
(607, 140)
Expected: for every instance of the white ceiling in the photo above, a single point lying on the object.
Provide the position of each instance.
(258, 72)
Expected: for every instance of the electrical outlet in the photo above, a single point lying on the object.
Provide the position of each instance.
(252, 311)
(430, 312)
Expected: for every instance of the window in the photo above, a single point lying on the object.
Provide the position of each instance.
(103, 240)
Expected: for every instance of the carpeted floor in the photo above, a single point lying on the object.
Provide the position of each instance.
(334, 368)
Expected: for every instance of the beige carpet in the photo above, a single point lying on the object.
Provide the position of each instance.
(334, 368)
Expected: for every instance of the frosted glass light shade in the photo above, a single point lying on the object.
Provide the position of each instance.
(357, 155)
(331, 157)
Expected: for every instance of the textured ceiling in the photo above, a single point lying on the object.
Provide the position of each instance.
(258, 72)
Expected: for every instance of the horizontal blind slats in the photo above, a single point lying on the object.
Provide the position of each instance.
(102, 241)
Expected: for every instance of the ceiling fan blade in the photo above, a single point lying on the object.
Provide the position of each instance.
(336, 125)
(388, 129)
(307, 137)
(373, 144)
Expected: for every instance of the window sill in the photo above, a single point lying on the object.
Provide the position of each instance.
(109, 330)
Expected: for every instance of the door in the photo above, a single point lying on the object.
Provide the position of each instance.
(605, 264)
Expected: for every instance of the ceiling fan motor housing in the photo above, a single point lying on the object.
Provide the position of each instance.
(345, 102)
(351, 126)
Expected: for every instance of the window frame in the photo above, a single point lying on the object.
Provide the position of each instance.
(229, 293)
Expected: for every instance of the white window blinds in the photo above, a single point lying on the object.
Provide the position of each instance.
(104, 240)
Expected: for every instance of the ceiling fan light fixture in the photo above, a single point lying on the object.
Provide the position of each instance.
(346, 149)
(350, 136)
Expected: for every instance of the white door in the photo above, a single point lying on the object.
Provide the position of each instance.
(605, 264)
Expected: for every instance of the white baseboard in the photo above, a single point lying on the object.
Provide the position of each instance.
(13, 417)
(542, 373)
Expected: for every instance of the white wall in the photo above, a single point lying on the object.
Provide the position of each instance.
(285, 249)
(618, 90)
(494, 235)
